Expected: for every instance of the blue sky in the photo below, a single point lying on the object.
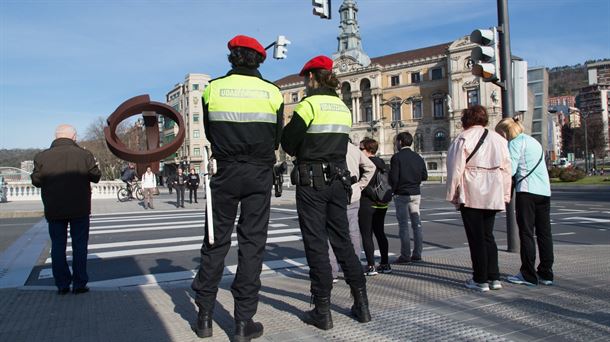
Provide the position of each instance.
(73, 61)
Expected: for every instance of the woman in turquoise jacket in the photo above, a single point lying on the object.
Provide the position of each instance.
(533, 204)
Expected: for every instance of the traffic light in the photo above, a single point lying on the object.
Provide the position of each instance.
(321, 8)
(485, 56)
(280, 49)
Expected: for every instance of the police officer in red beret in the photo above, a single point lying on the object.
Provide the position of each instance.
(243, 119)
(318, 136)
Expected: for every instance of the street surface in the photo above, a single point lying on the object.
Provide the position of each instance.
(155, 246)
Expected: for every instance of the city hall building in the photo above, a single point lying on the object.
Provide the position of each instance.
(422, 91)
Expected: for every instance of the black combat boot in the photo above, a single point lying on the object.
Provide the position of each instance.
(247, 330)
(320, 316)
(203, 328)
(360, 309)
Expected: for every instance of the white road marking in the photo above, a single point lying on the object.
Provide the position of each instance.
(588, 219)
(275, 225)
(169, 249)
(173, 240)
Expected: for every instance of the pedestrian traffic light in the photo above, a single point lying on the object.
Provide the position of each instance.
(280, 49)
(486, 55)
(321, 8)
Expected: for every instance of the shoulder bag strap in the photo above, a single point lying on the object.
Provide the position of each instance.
(532, 170)
(476, 148)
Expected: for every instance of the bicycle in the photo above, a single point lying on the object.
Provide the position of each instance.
(125, 194)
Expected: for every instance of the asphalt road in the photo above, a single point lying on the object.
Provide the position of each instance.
(154, 246)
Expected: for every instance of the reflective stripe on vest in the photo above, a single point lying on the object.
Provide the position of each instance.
(243, 117)
(325, 114)
(242, 99)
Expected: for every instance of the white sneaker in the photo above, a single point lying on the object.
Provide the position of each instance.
(471, 284)
(518, 279)
(545, 282)
(495, 285)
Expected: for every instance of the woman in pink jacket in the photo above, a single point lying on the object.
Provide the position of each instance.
(479, 185)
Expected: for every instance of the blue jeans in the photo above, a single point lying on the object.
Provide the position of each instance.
(408, 206)
(79, 232)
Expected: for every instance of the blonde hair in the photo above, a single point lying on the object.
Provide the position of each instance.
(509, 128)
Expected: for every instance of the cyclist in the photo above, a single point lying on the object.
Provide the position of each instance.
(128, 176)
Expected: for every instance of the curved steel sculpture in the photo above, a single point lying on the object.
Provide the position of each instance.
(153, 153)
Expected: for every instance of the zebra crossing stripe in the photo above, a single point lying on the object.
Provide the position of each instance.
(172, 240)
(168, 249)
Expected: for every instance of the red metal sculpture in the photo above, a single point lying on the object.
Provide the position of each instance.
(153, 153)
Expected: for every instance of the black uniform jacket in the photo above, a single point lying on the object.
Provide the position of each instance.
(254, 142)
(64, 173)
(320, 147)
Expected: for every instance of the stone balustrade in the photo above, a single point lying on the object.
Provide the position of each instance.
(25, 191)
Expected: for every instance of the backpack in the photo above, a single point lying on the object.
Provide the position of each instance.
(380, 187)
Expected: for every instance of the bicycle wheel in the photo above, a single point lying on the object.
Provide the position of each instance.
(123, 195)
(139, 194)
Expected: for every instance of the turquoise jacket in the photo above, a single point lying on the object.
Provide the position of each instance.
(525, 152)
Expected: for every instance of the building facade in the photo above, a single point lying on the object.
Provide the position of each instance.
(421, 91)
(592, 101)
(185, 98)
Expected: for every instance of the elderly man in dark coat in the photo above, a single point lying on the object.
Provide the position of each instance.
(64, 172)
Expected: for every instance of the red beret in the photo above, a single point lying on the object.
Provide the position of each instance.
(247, 42)
(319, 62)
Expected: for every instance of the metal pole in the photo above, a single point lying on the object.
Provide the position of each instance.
(508, 109)
(586, 147)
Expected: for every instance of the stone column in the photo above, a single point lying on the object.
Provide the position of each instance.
(354, 113)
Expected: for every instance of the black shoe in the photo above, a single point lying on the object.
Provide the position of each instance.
(384, 268)
(247, 330)
(182, 206)
(320, 316)
(401, 261)
(370, 271)
(203, 328)
(360, 309)
(196, 202)
(63, 291)
(80, 290)
(416, 259)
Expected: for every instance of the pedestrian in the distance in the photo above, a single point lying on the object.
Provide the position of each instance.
(407, 171)
(149, 184)
(179, 183)
(532, 204)
(193, 184)
(361, 169)
(371, 216)
(64, 172)
(479, 185)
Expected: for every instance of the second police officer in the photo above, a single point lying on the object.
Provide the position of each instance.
(243, 118)
(318, 136)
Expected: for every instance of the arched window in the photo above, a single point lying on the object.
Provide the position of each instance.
(346, 94)
(440, 141)
(366, 106)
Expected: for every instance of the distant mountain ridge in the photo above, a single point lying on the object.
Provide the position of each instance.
(568, 79)
(14, 157)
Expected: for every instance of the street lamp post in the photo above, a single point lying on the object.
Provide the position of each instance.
(584, 116)
(396, 123)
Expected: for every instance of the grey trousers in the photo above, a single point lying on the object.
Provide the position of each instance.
(354, 234)
(407, 206)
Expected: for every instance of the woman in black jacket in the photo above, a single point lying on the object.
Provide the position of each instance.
(193, 184)
(371, 216)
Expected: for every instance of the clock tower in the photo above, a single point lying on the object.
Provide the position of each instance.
(349, 40)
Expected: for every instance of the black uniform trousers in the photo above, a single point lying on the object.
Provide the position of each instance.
(323, 219)
(249, 184)
(534, 216)
(479, 225)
